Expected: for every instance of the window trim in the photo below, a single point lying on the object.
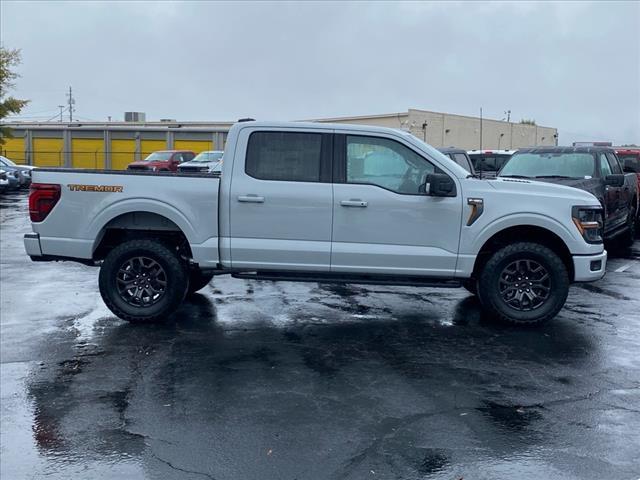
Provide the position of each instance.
(326, 154)
(340, 162)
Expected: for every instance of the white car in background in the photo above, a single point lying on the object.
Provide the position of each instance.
(22, 172)
(205, 162)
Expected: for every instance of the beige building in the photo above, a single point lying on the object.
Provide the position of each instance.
(116, 144)
(449, 130)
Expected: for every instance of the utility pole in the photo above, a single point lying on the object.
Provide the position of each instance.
(61, 107)
(71, 101)
(424, 131)
(480, 128)
(508, 113)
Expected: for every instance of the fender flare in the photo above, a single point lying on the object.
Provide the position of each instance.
(132, 205)
(525, 219)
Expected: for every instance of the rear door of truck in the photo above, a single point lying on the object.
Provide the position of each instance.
(280, 199)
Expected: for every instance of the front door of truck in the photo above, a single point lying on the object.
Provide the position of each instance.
(382, 223)
(280, 201)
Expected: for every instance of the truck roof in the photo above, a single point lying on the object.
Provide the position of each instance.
(490, 151)
(322, 126)
(585, 149)
(451, 150)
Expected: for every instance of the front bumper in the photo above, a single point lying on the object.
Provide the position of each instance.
(32, 244)
(588, 268)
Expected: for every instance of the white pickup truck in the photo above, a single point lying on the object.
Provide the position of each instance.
(322, 203)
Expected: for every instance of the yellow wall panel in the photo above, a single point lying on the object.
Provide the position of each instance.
(122, 153)
(150, 146)
(13, 149)
(196, 146)
(87, 153)
(48, 152)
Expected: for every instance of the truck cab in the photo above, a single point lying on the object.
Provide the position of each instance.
(322, 203)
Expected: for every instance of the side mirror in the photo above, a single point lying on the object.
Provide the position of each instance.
(438, 185)
(615, 180)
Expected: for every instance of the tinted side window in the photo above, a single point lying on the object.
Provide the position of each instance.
(605, 168)
(288, 156)
(613, 163)
(385, 163)
(187, 157)
(177, 157)
(462, 160)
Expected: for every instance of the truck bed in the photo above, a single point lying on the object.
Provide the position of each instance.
(93, 200)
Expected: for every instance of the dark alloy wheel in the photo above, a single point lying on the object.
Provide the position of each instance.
(525, 285)
(143, 280)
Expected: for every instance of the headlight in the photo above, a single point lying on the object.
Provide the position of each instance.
(588, 221)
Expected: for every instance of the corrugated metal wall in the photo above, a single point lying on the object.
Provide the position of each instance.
(97, 148)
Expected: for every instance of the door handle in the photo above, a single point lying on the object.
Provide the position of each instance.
(354, 202)
(250, 198)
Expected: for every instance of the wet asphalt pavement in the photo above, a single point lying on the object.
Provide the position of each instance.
(261, 380)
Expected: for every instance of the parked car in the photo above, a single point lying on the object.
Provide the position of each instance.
(13, 178)
(163, 161)
(460, 156)
(207, 162)
(305, 202)
(593, 169)
(4, 181)
(23, 171)
(489, 162)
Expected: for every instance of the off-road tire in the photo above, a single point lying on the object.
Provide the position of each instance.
(489, 284)
(177, 280)
(198, 280)
(470, 285)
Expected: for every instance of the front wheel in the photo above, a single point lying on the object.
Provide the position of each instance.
(524, 284)
(143, 280)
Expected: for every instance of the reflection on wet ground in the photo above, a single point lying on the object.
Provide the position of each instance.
(284, 380)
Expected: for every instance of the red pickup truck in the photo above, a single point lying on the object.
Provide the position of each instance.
(163, 161)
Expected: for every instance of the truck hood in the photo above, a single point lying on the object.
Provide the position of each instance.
(534, 187)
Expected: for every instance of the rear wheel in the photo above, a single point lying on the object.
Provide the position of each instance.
(524, 284)
(143, 280)
(198, 280)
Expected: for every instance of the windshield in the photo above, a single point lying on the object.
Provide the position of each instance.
(573, 165)
(6, 161)
(488, 162)
(205, 157)
(158, 157)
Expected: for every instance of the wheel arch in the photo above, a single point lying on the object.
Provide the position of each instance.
(528, 233)
(139, 224)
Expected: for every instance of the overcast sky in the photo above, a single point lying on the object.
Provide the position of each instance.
(574, 65)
